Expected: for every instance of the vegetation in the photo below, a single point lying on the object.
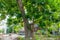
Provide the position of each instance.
(44, 13)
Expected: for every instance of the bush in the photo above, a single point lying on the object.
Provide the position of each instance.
(20, 38)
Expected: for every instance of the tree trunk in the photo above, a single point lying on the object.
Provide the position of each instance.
(26, 24)
(32, 31)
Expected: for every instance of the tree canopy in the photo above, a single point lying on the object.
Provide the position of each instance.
(44, 12)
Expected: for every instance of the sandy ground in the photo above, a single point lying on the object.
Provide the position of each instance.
(8, 36)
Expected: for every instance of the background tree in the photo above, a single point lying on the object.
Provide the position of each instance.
(45, 12)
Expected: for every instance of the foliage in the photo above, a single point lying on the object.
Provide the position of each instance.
(20, 38)
(1, 31)
(44, 12)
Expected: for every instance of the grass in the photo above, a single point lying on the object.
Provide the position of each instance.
(44, 37)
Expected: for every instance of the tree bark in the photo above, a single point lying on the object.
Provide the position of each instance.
(26, 24)
(32, 30)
